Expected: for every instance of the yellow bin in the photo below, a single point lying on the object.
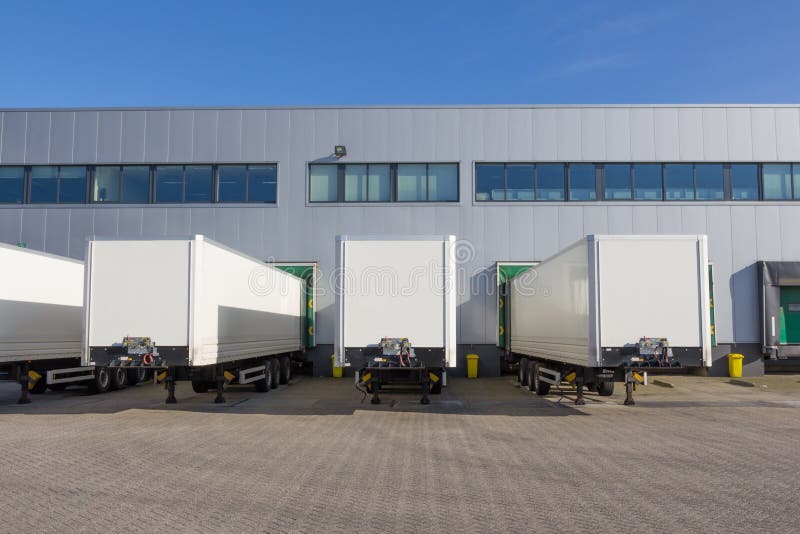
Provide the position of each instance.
(735, 365)
(337, 371)
(472, 366)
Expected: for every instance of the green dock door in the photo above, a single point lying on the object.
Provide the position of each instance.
(790, 315)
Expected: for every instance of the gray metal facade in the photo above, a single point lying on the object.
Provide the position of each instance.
(740, 233)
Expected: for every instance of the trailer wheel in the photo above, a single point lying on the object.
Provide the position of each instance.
(119, 378)
(57, 387)
(39, 387)
(276, 372)
(605, 389)
(137, 375)
(522, 376)
(531, 375)
(286, 370)
(263, 385)
(200, 386)
(536, 384)
(101, 380)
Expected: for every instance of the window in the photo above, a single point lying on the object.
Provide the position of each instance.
(411, 185)
(679, 181)
(777, 182)
(72, 184)
(136, 184)
(262, 183)
(324, 183)
(519, 181)
(106, 184)
(232, 183)
(383, 182)
(618, 182)
(199, 183)
(490, 182)
(442, 182)
(582, 182)
(379, 183)
(709, 181)
(169, 184)
(12, 185)
(44, 185)
(744, 181)
(647, 182)
(355, 183)
(550, 181)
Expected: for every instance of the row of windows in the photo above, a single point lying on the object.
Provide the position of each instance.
(139, 184)
(636, 181)
(383, 182)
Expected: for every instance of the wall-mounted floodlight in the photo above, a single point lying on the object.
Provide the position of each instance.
(340, 151)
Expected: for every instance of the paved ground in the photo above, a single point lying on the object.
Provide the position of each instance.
(702, 456)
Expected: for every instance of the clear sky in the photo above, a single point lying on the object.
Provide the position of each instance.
(233, 52)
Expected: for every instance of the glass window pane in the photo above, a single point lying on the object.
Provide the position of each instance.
(379, 186)
(679, 181)
(796, 169)
(199, 184)
(710, 183)
(231, 184)
(324, 186)
(647, 182)
(582, 182)
(443, 182)
(44, 182)
(72, 184)
(519, 182)
(12, 185)
(777, 182)
(550, 181)
(169, 184)
(490, 182)
(355, 183)
(411, 180)
(136, 184)
(262, 183)
(618, 182)
(744, 181)
(106, 184)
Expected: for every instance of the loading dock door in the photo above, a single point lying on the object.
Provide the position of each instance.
(308, 272)
(504, 272)
(790, 315)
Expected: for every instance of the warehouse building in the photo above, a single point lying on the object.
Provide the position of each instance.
(513, 183)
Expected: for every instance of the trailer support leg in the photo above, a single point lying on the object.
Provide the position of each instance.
(24, 395)
(426, 387)
(376, 387)
(629, 383)
(171, 387)
(219, 377)
(579, 400)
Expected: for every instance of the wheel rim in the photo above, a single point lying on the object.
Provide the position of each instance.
(103, 378)
(120, 376)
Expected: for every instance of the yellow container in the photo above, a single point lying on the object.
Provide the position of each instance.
(735, 365)
(337, 371)
(472, 366)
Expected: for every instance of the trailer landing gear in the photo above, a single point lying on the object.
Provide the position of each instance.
(219, 379)
(171, 387)
(579, 400)
(376, 387)
(631, 379)
(24, 379)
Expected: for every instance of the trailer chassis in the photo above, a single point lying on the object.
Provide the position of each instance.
(370, 379)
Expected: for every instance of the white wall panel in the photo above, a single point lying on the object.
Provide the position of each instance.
(81, 226)
(693, 220)
(669, 219)
(204, 137)
(618, 134)
(109, 137)
(545, 134)
(643, 142)
(715, 134)
(719, 253)
(133, 136)
(740, 141)
(595, 220)
(790, 225)
(423, 135)
(768, 232)
(38, 143)
(690, 134)
(495, 134)
(645, 220)
(156, 137)
(181, 136)
(568, 132)
(56, 232)
(620, 219)
(765, 146)
(229, 136)
(62, 130)
(744, 289)
(667, 136)
(787, 131)
(520, 135)
(375, 133)
(593, 134)
(254, 134)
(15, 127)
(351, 134)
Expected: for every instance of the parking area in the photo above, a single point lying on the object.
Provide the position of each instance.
(703, 455)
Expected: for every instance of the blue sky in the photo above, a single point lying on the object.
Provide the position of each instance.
(232, 52)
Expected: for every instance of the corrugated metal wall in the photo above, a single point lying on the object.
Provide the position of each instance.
(739, 233)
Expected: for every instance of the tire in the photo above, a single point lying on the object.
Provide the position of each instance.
(263, 386)
(522, 376)
(200, 386)
(535, 382)
(531, 372)
(101, 381)
(436, 387)
(139, 374)
(285, 370)
(57, 387)
(276, 372)
(119, 378)
(39, 387)
(605, 389)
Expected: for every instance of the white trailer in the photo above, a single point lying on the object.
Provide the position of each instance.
(41, 302)
(608, 307)
(396, 310)
(193, 309)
